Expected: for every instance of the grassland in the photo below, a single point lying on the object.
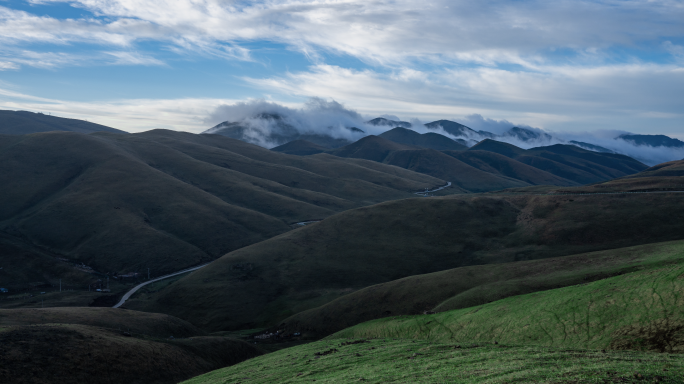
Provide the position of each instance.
(641, 310)
(163, 200)
(412, 361)
(476, 285)
(76, 345)
(310, 266)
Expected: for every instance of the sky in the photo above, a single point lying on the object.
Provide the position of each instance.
(562, 66)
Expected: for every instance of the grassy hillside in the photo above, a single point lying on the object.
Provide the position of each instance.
(471, 286)
(164, 200)
(24, 122)
(567, 161)
(308, 267)
(412, 361)
(639, 310)
(501, 165)
(141, 323)
(462, 175)
(69, 353)
(75, 345)
(427, 140)
(370, 148)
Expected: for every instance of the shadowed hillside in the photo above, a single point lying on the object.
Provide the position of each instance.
(462, 175)
(567, 161)
(313, 265)
(427, 140)
(23, 122)
(370, 148)
(300, 148)
(166, 200)
(77, 345)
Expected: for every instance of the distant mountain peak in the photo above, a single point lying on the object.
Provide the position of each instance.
(652, 140)
(392, 123)
(525, 134)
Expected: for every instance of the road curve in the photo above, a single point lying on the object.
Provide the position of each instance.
(135, 289)
(448, 184)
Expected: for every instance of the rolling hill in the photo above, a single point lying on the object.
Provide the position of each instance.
(476, 285)
(164, 200)
(311, 266)
(23, 122)
(426, 140)
(300, 148)
(76, 345)
(567, 161)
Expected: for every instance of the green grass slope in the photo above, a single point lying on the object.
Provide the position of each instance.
(165, 200)
(470, 286)
(641, 310)
(421, 361)
(24, 122)
(308, 267)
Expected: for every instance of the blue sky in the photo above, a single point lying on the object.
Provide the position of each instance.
(563, 66)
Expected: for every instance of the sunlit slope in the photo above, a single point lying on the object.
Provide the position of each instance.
(313, 265)
(166, 200)
(638, 310)
(475, 285)
(422, 361)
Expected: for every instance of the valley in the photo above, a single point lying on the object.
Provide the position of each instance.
(392, 257)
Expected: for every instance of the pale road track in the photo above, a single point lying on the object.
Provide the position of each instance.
(137, 287)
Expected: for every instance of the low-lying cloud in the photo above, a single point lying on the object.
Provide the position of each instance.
(328, 117)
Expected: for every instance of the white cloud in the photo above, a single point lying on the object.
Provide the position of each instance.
(133, 58)
(378, 31)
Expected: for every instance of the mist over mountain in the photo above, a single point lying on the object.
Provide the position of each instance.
(330, 125)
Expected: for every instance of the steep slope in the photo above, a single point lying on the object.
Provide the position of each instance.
(501, 165)
(299, 147)
(23, 122)
(166, 200)
(427, 140)
(313, 265)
